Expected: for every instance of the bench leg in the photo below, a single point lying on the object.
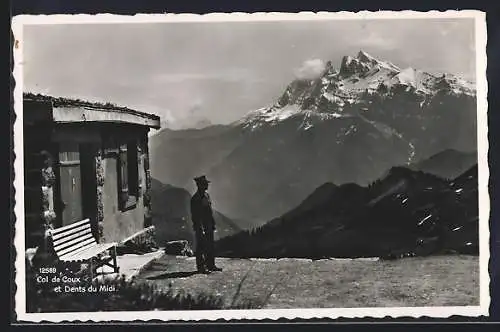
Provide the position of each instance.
(91, 263)
(115, 263)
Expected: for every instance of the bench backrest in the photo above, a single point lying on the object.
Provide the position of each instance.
(73, 238)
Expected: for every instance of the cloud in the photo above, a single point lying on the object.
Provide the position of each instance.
(167, 119)
(310, 69)
(195, 107)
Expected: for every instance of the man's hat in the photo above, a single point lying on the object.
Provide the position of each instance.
(201, 179)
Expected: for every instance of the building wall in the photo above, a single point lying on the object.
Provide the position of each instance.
(116, 225)
(109, 222)
(99, 172)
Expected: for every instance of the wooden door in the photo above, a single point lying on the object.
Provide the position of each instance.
(70, 182)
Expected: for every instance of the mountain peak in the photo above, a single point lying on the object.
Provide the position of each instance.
(363, 63)
(329, 67)
(360, 77)
(350, 66)
(366, 58)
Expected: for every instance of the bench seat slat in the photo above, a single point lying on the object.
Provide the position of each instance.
(75, 224)
(97, 250)
(69, 232)
(72, 236)
(77, 247)
(77, 240)
(75, 255)
(88, 253)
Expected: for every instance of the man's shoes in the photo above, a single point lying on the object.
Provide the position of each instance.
(204, 271)
(215, 269)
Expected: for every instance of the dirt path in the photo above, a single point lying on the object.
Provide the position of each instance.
(298, 283)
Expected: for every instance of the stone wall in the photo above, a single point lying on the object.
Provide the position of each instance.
(148, 218)
(99, 192)
(48, 181)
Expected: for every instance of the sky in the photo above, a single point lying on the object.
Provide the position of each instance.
(209, 72)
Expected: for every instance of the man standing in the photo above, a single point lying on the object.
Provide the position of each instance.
(204, 227)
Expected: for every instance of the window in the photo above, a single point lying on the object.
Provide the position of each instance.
(128, 181)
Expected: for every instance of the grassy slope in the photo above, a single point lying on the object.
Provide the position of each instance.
(296, 283)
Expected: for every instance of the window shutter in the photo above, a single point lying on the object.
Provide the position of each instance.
(123, 177)
(133, 176)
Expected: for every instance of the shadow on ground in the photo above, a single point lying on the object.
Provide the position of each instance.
(172, 275)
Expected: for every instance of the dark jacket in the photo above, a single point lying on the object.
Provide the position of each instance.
(201, 212)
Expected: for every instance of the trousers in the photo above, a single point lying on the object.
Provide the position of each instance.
(204, 251)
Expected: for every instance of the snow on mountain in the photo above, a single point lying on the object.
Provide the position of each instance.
(274, 115)
(336, 92)
(269, 115)
(364, 63)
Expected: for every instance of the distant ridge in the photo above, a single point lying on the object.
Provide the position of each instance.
(406, 213)
(448, 163)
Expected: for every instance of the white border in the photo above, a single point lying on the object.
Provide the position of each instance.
(484, 204)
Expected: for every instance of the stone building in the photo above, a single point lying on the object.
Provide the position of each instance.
(85, 160)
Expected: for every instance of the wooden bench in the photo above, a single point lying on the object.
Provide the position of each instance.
(76, 243)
